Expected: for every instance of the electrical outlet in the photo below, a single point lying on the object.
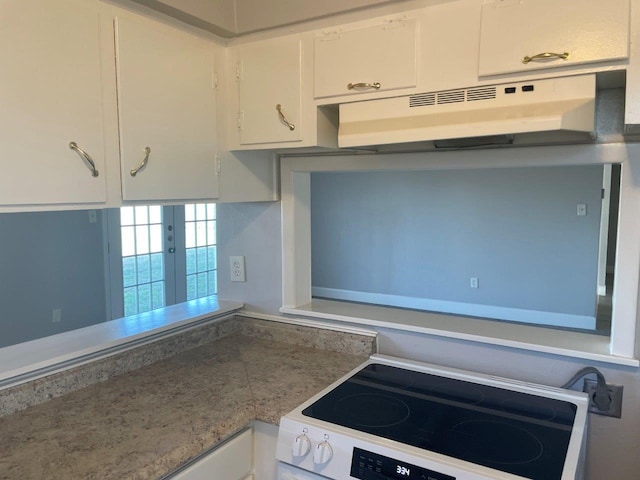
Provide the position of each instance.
(582, 210)
(56, 316)
(473, 282)
(236, 264)
(615, 392)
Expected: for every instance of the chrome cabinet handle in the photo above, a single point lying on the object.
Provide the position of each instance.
(283, 118)
(85, 156)
(364, 86)
(545, 56)
(143, 163)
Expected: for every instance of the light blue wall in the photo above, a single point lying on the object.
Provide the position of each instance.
(252, 230)
(50, 260)
(425, 234)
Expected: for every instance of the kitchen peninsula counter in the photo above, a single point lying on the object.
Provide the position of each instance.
(145, 423)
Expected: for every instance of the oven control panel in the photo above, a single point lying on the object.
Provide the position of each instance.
(372, 466)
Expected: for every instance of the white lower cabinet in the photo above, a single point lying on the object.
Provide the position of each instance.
(265, 438)
(233, 460)
(250, 455)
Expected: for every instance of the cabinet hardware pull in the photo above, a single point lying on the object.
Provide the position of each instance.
(363, 85)
(291, 126)
(545, 56)
(85, 156)
(143, 163)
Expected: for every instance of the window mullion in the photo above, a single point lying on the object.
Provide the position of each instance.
(179, 258)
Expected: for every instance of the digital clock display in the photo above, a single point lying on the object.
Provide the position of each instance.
(372, 466)
(404, 471)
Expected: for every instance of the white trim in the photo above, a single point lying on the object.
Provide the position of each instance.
(602, 290)
(603, 242)
(296, 258)
(296, 230)
(627, 264)
(37, 358)
(460, 308)
(366, 332)
(522, 337)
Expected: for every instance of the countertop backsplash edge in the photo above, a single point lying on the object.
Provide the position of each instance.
(40, 390)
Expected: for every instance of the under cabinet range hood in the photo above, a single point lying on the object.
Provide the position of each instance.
(555, 110)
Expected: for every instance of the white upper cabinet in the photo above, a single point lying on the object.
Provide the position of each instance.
(167, 111)
(269, 75)
(376, 58)
(273, 103)
(51, 95)
(523, 35)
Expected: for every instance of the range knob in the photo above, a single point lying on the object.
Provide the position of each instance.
(301, 446)
(323, 453)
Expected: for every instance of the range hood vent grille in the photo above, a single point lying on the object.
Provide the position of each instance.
(486, 93)
(422, 100)
(452, 96)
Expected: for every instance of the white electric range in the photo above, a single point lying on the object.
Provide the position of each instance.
(395, 419)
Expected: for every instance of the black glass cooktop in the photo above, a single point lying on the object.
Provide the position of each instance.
(514, 432)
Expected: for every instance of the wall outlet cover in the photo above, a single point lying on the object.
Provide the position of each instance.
(236, 265)
(615, 392)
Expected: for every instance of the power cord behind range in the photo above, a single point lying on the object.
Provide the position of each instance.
(601, 397)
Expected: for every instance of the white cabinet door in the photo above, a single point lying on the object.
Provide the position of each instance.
(270, 76)
(376, 58)
(231, 461)
(50, 91)
(166, 103)
(265, 441)
(513, 32)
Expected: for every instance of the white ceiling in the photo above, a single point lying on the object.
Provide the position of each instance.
(230, 18)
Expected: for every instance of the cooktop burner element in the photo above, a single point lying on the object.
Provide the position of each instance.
(372, 410)
(506, 430)
(482, 441)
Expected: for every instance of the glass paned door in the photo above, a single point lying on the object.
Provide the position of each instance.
(143, 272)
(160, 256)
(200, 249)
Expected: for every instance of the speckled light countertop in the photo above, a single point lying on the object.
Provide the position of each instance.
(147, 422)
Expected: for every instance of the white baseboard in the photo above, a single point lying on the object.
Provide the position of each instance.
(459, 308)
